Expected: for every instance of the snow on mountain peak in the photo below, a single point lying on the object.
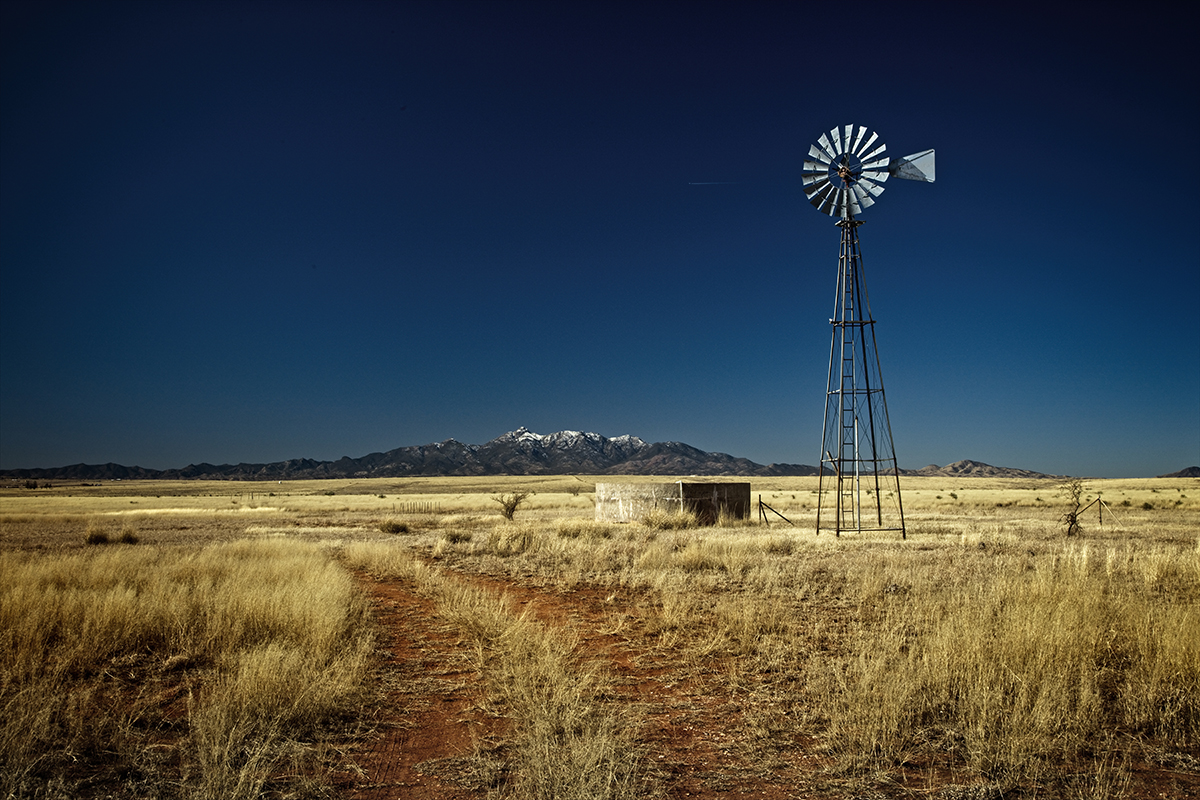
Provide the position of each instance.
(568, 440)
(626, 438)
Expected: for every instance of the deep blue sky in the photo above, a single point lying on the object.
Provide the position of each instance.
(257, 231)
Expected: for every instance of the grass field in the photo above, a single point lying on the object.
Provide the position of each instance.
(217, 639)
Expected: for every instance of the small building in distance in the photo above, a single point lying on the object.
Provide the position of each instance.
(630, 502)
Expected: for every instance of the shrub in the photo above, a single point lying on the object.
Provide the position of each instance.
(1072, 491)
(509, 503)
(96, 537)
(393, 526)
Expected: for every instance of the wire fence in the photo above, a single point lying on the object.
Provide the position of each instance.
(417, 507)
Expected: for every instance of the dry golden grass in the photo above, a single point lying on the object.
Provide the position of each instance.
(988, 642)
(1019, 663)
(988, 635)
(265, 640)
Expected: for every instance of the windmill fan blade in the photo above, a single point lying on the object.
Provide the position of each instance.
(870, 185)
(824, 143)
(917, 167)
(814, 184)
(858, 151)
(821, 195)
(860, 194)
(861, 133)
(815, 166)
(843, 203)
(876, 153)
(819, 156)
(828, 201)
(836, 137)
(852, 204)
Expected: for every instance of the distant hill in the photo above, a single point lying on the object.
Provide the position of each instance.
(1186, 472)
(519, 452)
(974, 469)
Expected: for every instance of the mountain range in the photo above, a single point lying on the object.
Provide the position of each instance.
(519, 452)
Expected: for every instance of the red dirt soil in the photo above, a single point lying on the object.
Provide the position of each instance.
(429, 711)
(433, 715)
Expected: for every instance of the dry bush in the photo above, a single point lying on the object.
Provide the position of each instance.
(393, 526)
(510, 502)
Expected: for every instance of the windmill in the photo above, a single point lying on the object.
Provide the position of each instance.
(845, 174)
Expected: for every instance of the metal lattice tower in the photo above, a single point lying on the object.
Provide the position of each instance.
(856, 446)
(859, 483)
